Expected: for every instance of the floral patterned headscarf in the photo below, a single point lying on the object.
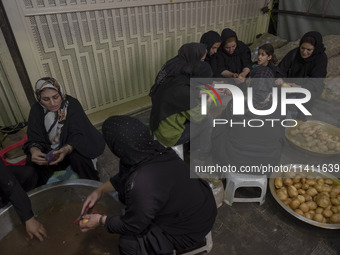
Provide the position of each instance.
(54, 121)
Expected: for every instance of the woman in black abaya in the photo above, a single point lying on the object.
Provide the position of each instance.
(308, 61)
(58, 122)
(166, 210)
(213, 42)
(188, 53)
(234, 58)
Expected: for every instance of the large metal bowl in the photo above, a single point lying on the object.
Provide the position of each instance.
(315, 173)
(53, 194)
(330, 129)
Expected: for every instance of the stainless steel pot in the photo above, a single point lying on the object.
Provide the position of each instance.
(55, 194)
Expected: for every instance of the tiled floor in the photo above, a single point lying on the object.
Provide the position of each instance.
(248, 228)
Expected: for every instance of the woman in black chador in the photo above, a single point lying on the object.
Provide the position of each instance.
(165, 210)
(58, 122)
(309, 60)
(234, 57)
(213, 42)
(188, 53)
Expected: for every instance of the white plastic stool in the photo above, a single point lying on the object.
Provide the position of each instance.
(177, 148)
(206, 248)
(236, 180)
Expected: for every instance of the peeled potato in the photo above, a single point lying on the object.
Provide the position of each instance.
(319, 210)
(308, 215)
(304, 207)
(314, 197)
(282, 195)
(323, 200)
(335, 201)
(318, 217)
(335, 218)
(292, 191)
(312, 205)
(310, 181)
(295, 203)
(278, 183)
(299, 212)
(84, 220)
(334, 209)
(288, 181)
(327, 213)
(329, 181)
(301, 198)
(307, 197)
(312, 192)
(320, 181)
(326, 188)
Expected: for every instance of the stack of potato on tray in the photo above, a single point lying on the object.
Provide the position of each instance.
(313, 137)
(313, 197)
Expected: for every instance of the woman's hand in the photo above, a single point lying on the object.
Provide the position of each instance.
(96, 195)
(238, 78)
(227, 74)
(294, 85)
(35, 228)
(61, 154)
(235, 75)
(279, 82)
(90, 221)
(38, 157)
(91, 200)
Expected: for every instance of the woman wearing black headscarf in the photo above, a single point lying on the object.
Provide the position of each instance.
(309, 60)
(58, 122)
(165, 208)
(189, 52)
(234, 57)
(213, 41)
(172, 113)
(241, 144)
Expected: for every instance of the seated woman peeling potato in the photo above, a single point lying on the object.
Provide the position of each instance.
(60, 134)
(165, 210)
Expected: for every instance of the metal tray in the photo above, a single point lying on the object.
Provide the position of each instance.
(330, 129)
(292, 212)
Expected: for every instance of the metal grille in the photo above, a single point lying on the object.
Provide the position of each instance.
(13, 105)
(106, 52)
(10, 113)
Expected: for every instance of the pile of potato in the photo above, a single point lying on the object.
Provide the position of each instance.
(312, 137)
(315, 198)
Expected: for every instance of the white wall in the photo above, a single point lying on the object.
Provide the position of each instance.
(106, 52)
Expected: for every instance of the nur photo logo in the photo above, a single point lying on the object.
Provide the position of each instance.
(238, 103)
(204, 97)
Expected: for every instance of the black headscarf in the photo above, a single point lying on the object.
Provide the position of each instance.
(319, 47)
(315, 66)
(228, 33)
(209, 39)
(240, 46)
(174, 96)
(235, 62)
(189, 52)
(130, 140)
